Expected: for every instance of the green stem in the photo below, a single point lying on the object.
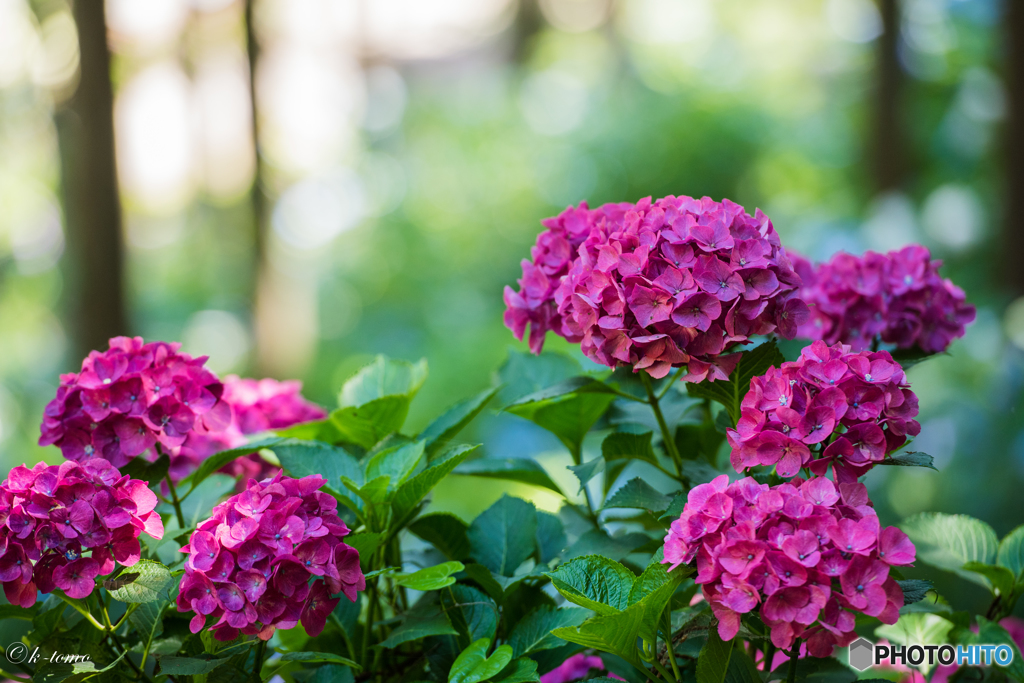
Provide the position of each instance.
(666, 433)
(668, 385)
(663, 671)
(344, 634)
(78, 608)
(577, 459)
(668, 645)
(794, 654)
(176, 503)
(769, 655)
(257, 667)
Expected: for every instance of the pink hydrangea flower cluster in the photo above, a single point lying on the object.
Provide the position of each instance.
(806, 555)
(256, 406)
(657, 285)
(576, 668)
(831, 407)
(64, 525)
(899, 297)
(130, 398)
(249, 566)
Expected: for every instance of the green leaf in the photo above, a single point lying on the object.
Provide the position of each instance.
(413, 491)
(587, 471)
(742, 669)
(366, 543)
(655, 577)
(486, 580)
(1011, 553)
(624, 445)
(151, 584)
(908, 358)
(594, 582)
(637, 493)
(304, 458)
(910, 459)
(330, 673)
(147, 620)
(397, 463)
(675, 508)
(16, 612)
(318, 658)
(598, 542)
(444, 531)
(373, 492)
(218, 460)
(473, 614)
(368, 424)
(551, 538)
(914, 590)
(991, 633)
(430, 578)
(143, 470)
(189, 666)
(533, 632)
(522, 670)
(713, 661)
(522, 470)
(950, 541)
(56, 672)
(473, 665)
(420, 622)
(754, 362)
(383, 377)
(1000, 578)
(442, 430)
(568, 410)
(526, 373)
(504, 535)
(917, 628)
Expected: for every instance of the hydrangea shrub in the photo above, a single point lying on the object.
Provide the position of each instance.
(719, 526)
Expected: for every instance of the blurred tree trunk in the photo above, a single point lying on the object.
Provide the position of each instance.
(1013, 148)
(888, 165)
(85, 131)
(528, 22)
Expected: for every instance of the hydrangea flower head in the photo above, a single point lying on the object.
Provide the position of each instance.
(576, 668)
(805, 554)
(256, 406)
(131, 397)
(657, 285)
(64, 525)
(267, 558)
(899, 297)
(790, 413)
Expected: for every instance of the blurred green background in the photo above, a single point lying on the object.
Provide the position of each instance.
(383, 183)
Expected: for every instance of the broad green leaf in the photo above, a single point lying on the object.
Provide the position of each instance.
(950, 541)
(444, 531)
(526, 373)
(675, 508)
(397, 463)
(809, 669)
(522, 670)
(218, 460)
(598, 542)
(413, 491)
(487, 580)
(504, 535)
(655, 577)
(473, 665)
(522, 470)
(551, 538)
(713, 661)
(383, 377)
(305, 458)
(373, 492)
(753, 362)
(151, 584)
(369, 423)
(917, 628)
(56, 672)
(637, 493)
(189, 666)
(472, 613)
(694, 441)
(420, 622)
(318, 658)
(330, 673)
(908, 358)
(991, 633)
(594, 582)
(143, 470)
(366, 543)
(533, 632)
(441, 431)
(147, 620)
(914, 590)
(430, 578)
(742, 669)
(910, 459)
(568, 410)
(16, 612)
(624, 445)
(587, 471)
(1000, 578)
(1011, 553)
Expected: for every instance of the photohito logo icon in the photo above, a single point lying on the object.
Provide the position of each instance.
(862, 654)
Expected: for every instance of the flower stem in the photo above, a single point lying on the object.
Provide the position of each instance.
(78, 608)
(176, 502)
(675, 378)
(663, 671)
(794, 654)
(668, 645)
(666, 433)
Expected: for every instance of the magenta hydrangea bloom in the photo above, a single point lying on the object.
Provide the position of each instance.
(256, 406)
(899, 297)
(575, 668)
(269, 557)
(130, 398)
(64, 525)
(656, 285)
(805, 554)
(790, 413)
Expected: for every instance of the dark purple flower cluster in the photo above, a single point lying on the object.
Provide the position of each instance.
(64, 525)
(256, 406)
(804, 554)
(130, 398)
(249, 566)
(898, 297)
(790, 414)
(657, 285)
